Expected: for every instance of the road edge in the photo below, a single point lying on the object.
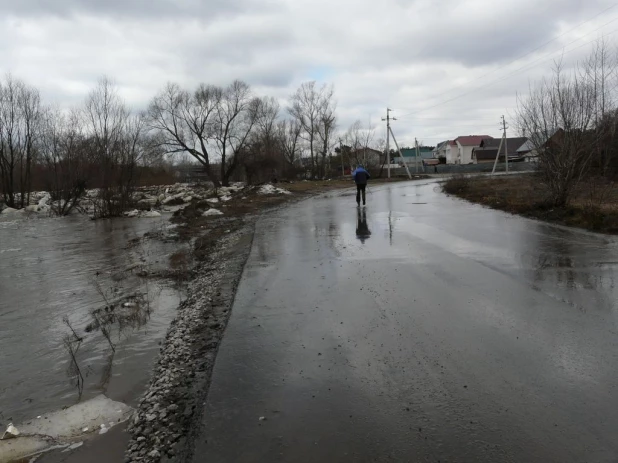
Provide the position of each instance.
(163, 426)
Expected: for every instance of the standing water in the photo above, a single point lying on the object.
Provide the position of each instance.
(59, 270)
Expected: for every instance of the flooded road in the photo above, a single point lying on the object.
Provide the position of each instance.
(423, 328)
(50, 269)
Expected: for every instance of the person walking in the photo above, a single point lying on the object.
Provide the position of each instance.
(361, 176)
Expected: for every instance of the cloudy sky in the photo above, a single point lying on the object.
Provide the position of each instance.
(446, 67)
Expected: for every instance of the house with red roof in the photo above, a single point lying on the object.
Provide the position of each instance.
(459, 151)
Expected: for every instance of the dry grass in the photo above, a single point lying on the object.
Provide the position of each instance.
(593, 207)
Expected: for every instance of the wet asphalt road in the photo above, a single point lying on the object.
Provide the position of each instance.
(435, 331)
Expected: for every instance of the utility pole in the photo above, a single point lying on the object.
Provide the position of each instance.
(506, 151)
(388, 132)
(502, 142)
(341, 154)
(405, 164)
(418, 154)
(415, 155)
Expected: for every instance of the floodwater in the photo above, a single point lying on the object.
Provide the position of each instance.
(52, 268)
(421, 328)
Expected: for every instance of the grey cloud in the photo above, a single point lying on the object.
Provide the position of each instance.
(497, 36)
(409, 54)
(144, 9)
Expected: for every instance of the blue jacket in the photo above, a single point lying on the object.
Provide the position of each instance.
(361, 176)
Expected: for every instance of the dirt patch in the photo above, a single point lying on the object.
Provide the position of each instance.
(592, 207)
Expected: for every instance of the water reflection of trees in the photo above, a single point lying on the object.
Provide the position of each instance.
(118, 316)
(556, 254)
(562, 259)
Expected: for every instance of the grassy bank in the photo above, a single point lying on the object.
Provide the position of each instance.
(594, 205)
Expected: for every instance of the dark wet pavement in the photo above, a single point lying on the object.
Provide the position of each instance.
(421, 329)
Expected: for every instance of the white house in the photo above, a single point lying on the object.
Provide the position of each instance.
(451, 152)
(459, 151)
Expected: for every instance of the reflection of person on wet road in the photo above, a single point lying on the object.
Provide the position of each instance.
(361, 176)
(362, 229)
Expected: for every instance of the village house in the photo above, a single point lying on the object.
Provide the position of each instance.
(488, 149)
(461, 148)
(440, 150)
(530, 150)
(410, 156)
(367, 157)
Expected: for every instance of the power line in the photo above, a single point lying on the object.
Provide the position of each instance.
(527, 53)
(526, 67)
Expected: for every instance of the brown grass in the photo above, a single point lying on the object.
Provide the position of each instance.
(594, 205)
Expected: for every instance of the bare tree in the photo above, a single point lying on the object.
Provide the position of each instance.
(64, 154)
(115, 136)
(184, 122)
(600, 72)
(31, 113)
(234, 119)
(307, 107)
(354, 139)
(289, 136)
(360, 139)
(325, 131)
(263, 154)
(558, 117)
(20, 129)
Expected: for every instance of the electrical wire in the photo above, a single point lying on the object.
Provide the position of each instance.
(528, 52)
(527, 67)
(524, 68)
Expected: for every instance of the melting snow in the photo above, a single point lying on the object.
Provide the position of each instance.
(270, 189)
(212, 212)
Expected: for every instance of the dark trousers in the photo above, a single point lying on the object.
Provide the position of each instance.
(360, 189)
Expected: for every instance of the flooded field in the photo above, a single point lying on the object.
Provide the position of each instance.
(72, 285)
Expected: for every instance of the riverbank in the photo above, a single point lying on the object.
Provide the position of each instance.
(594, 206)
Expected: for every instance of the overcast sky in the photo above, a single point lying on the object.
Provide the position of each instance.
(411, 55)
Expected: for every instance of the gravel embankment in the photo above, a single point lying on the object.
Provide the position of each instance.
(161, 428)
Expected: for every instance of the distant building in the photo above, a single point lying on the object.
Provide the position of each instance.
(488, 150)
(531, 149)
(367, 156)
(410, 155)
(440, 150)
(459, 151)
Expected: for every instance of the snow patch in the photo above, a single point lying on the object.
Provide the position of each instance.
(147, 214)
(270, 189)
(63, 425)
(212, 212)
(2, 251)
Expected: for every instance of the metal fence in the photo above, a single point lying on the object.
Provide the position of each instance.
(467, 168)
